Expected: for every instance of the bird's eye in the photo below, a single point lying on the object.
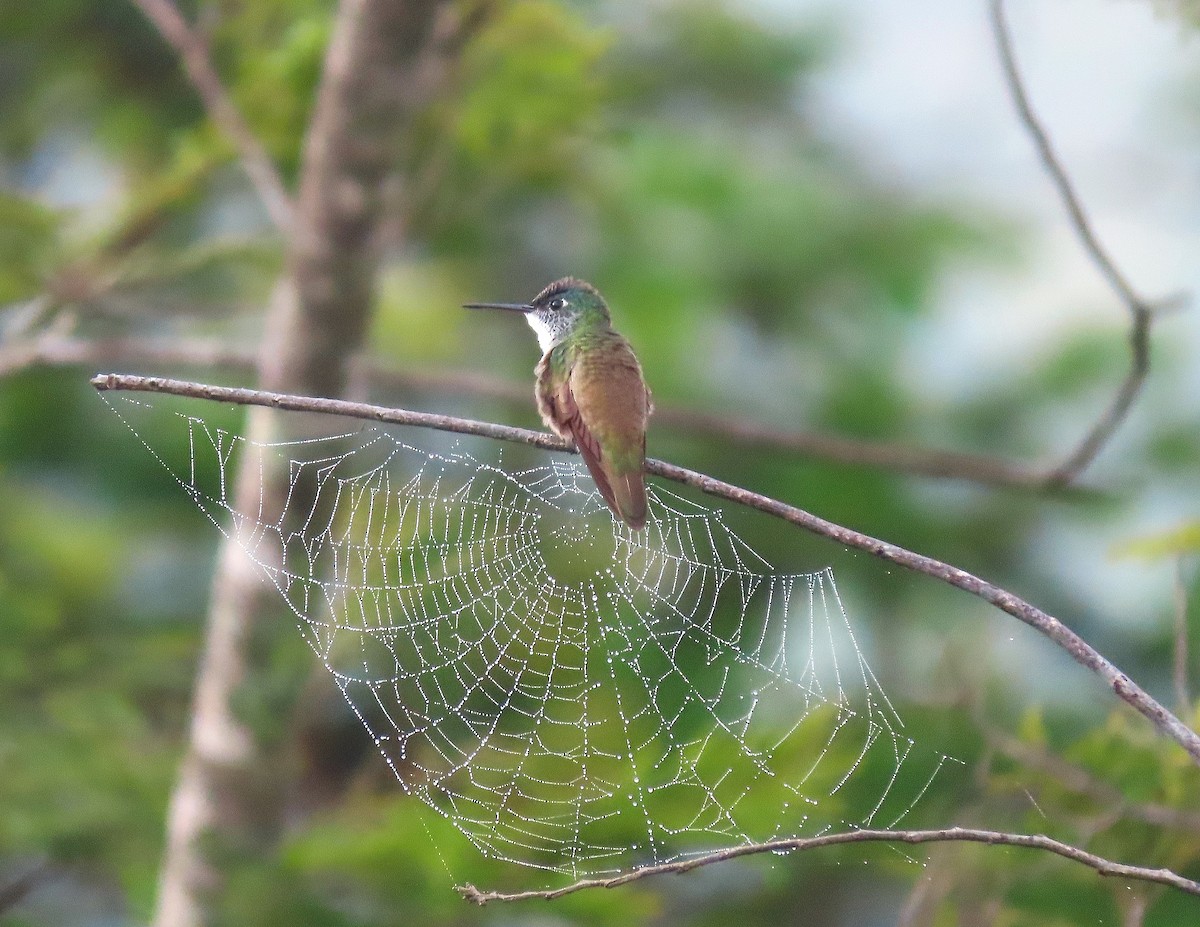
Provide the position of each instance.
(558, 303)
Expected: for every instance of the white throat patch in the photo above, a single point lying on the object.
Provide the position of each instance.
(547, 334)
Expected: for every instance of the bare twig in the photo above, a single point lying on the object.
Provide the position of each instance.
(1134, 910)
(1141, 311)
(193, 52)
(54, 350)
(1179, 667)
(1053, 165)
(16, 891)
(1082, 652)
(883, 455)
(1104, 867)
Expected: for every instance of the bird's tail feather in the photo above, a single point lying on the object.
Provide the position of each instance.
(629, 496)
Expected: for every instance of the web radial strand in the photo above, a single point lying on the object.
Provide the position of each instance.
(566, 693)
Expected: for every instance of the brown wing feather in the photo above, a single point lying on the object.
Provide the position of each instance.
(629, 489)
(589, 447)
(601, 403)
(607, 386)
(556, 403)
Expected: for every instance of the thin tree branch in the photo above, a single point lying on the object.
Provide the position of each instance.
(1053, 165)
(1082, 652)
(1104, 867)
(1141, 311)
(883, 455)
(193, 53)
(105, 382)
(1134, 910)
(14, 892)
(50, 349)
(1179, 667)
(55, 349)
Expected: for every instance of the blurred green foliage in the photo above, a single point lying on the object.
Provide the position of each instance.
(760, 265)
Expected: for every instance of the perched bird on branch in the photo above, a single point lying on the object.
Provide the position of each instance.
(590, 389)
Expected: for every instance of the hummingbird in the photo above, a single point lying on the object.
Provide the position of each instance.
(590, 389)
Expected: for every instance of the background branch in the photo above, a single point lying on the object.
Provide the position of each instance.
(1105, 867)
(51, 348)
(1141, 312)
(1082, 652)
(16, 890)
(193, 53)
(1180, 659)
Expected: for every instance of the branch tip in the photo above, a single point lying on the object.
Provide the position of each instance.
(197, 64)
(1141, 310)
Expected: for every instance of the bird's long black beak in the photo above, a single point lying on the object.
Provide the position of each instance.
(511, 307)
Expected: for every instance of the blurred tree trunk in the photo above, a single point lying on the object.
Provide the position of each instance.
(385, 59)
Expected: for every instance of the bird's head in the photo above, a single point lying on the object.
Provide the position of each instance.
(563, 308)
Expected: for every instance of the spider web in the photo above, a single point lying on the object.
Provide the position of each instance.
(568, 694)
